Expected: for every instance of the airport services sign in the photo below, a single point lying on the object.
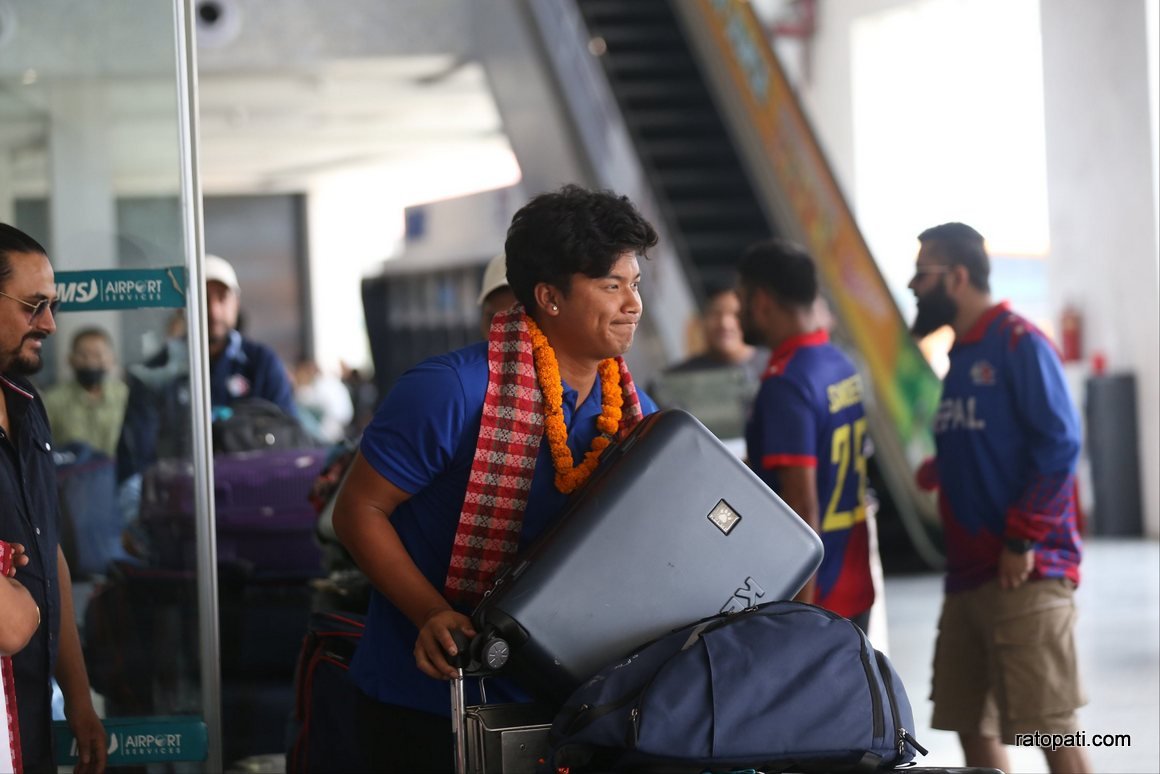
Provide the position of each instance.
(83, 291)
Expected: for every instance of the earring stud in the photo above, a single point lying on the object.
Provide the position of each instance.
(555, 308)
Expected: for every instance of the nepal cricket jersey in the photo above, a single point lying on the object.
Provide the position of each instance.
(1008, 438)
(808, 413)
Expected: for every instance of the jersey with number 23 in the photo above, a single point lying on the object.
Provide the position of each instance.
(809, 413)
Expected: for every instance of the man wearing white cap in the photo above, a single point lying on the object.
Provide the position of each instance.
(495, 295)
(239, 367)
(155, 419)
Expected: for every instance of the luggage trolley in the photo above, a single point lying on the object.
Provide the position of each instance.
(494, 738)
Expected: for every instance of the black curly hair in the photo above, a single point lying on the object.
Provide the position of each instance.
(571, 231)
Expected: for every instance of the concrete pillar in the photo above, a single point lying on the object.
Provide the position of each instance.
(1101, 205)
(82, 206)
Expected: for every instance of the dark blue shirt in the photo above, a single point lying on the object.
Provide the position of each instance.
(157, 420)
(422, 440)
(1008, 440)
(809, 414)
(247, 369)
(29, 514)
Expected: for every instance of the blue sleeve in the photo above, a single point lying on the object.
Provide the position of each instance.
(1044, 404)
(276, 385)
(787, 426)
(1051, 426)
(418, 427)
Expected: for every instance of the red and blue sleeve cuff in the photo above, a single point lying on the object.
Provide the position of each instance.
(771, 461)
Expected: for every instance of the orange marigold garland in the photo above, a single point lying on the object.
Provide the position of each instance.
(569, 477)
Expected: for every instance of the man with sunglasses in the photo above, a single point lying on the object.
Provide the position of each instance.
(28, 513)
(1007, 437)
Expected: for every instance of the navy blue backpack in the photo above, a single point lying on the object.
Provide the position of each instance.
(783, 686)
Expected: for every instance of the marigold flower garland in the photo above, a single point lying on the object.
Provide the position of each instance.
(570, 477)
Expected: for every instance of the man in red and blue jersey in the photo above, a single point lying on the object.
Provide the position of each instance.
(806, 436)
(1007, 437)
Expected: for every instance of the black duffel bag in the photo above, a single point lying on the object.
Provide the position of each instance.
(255, 424)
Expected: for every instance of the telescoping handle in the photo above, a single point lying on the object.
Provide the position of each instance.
(460, 660)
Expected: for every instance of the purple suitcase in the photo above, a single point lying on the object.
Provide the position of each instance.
(264, 519)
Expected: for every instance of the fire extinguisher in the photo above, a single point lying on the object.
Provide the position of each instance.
(1071, 334)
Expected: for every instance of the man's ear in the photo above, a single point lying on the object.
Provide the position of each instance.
(960, 278)
(547, 299)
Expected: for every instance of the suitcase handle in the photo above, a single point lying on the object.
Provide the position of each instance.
(482, 655)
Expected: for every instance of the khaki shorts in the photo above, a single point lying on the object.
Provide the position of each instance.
(1005, 661)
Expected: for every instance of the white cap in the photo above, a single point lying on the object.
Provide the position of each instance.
(494, 277)
(218, 269)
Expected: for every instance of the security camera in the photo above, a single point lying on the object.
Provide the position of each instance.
(218, 22)
(209, 12)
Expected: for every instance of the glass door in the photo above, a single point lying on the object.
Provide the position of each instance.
(97, 163)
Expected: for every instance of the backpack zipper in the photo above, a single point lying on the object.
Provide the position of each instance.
(587, 714)
(634, 715)
(875, 695)
(885, 672)
(903, 736)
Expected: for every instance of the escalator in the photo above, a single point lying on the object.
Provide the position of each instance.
(700, 183)
(682, 106)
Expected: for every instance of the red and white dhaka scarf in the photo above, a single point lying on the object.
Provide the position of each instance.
(510, 434)
(9, 721)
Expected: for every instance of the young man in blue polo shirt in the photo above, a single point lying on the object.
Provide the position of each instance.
(472, 455)
(1007, 437)
(806, 436)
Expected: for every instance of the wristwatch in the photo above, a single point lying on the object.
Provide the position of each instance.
(1018, 545)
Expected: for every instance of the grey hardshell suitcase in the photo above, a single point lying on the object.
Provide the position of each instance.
(671, 528)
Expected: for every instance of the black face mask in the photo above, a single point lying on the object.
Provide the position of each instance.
(935, 309)
(90, 377)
